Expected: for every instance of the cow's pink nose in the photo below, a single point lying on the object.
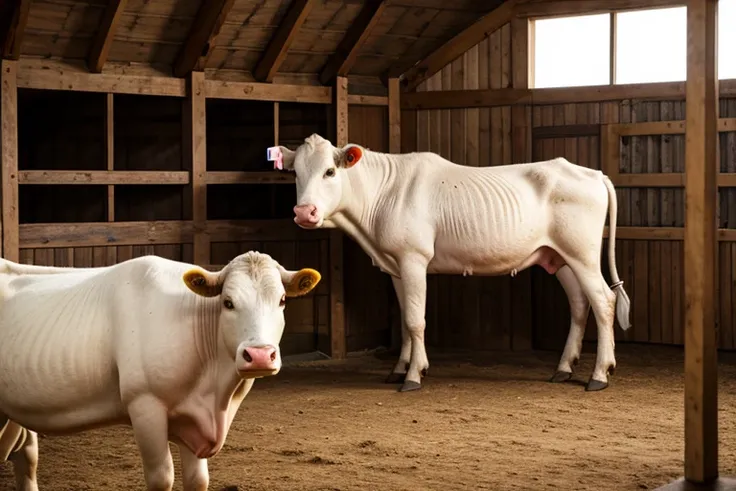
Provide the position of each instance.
(260, 358)
(305, 214)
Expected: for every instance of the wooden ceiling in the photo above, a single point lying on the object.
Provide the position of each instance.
(262, 40)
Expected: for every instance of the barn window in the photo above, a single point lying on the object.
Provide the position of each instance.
(571, 51)
(726, 39)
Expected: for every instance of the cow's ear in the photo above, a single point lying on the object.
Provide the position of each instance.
(298, 283)
(288, 157)
(349, 155)
(203, 282)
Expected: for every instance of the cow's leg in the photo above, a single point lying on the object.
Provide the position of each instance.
(150, 428)
(579, 310)
(25, 462)
(603, 301)
(414, 294)
(398, 374)
(195, 475)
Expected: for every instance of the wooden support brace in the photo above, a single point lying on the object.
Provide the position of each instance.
(9, 159)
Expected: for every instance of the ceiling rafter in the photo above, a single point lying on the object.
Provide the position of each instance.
(105, 35)
(202, 36)
(12, 27)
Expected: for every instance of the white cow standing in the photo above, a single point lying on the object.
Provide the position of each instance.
(419, 213)
(164, 346)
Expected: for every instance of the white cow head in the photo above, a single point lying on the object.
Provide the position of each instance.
(252, 291)
(320, 173)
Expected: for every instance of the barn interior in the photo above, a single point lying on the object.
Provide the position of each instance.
(132, 127)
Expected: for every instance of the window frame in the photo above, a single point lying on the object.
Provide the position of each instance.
(612, 51)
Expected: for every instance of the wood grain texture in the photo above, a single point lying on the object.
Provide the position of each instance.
(9, 158)
(202, 36)
(101, 43)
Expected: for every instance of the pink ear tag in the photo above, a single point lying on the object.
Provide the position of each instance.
(273, 154)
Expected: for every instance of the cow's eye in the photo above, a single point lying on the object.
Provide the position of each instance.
(330, 172)
(229, 304)
(282, 302)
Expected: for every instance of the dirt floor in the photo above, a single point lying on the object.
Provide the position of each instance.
(482, 421)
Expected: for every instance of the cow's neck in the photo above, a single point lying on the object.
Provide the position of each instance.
(364, 189)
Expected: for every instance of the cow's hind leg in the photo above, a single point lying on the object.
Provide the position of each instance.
(413, 306)
(579, 310)
(150, 428)
(398, 374)
(195, 475)
(25, 461)
(603, 301)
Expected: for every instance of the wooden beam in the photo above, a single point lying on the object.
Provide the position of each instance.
(218, 89)
(100, 234)
(196, 150)
(459, 44)
(343, 59)
(447, 99)
(338, 340)
(105, 34)
(367, 100)
(701, 248)
(9, 159)
(278, 46)
(12, 37)
(102, 177)
(111, 253)
(251, 177)
(202, 36)
(585, 7)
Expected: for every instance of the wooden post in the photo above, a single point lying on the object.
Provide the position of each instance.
(110, 252)
(394, 146)
(521, 151)
(701, 140)
(196, 149)
(9, 159)
(337, 306)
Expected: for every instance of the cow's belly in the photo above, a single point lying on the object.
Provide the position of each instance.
(53, 382)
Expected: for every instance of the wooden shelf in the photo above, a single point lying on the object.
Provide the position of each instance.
(102, 177)
(265, 177)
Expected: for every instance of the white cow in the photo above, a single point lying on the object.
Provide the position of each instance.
(419, 213)
(164, 346)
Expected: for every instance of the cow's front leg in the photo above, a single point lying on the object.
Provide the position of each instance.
(398, 374)
(413, 306)
(195, 475)
(25, 462)
(150, 428)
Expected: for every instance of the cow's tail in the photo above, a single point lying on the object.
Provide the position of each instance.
(623, 304)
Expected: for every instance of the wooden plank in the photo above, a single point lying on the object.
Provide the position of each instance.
(343, 59)
(196, 126)
(12, 37)
(701, 114)
(650, 128)
(394, 116)
(37, 74)
(261, 230)
(555, 8)
(275, 54)
(110, 252)
(102, 177)
(566, 131)
(460, 43)
(250, 177)
(9, 159)
(367, 100)
(202, 36)
(105, 35)
(254, 91)
(337, 290)
(449, 99)
(97, 234)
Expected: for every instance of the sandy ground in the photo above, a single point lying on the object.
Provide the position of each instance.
(482, 421)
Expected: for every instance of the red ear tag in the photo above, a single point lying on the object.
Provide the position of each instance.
(353, 155)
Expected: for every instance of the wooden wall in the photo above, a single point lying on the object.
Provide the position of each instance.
(65, 130)
(490, 312)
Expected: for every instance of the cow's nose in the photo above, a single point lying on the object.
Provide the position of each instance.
(305, 213)
(259, 358)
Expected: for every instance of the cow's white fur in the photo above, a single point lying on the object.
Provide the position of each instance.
(150, 342)
(419, 213)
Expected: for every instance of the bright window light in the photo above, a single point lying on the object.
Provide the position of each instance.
(572, 51)
(651, 46)
(726, 39)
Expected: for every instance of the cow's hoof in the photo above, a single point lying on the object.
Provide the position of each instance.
(395, 378)
(594, 384)
(560, 376)
(409, 385)
(424, 372)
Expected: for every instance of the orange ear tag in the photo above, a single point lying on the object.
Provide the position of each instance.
(352, 156)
